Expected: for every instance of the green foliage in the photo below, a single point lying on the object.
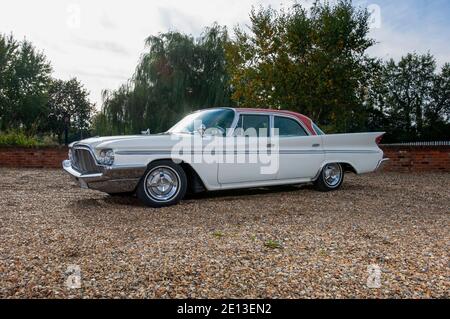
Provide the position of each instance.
(68, 104)
(18, 139)
(32, 102)
(311, 62)
(21, 139)
(176, 75)
(273, 244)
(410, 100)
(24, 79)
(218, 234)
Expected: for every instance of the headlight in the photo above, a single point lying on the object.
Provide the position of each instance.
(70, 155)
(106, 157)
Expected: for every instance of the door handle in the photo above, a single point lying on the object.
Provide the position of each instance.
(315, 145)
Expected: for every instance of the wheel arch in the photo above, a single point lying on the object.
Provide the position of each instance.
(346, 167)
(195, 182)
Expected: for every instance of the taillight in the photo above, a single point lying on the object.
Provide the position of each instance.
(378, 139)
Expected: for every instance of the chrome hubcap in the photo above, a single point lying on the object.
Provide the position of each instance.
(332, 174)
(162, 183)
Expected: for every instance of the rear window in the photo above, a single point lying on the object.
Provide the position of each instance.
(288, 127)
(317, 130)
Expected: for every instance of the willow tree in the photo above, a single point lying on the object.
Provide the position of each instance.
(175, 75)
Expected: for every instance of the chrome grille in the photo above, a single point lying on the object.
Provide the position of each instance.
(83, 161)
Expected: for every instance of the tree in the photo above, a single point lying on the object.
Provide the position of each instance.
(313, 62)
(411, 99)
(24, 78)
(68, 107)
(437, 112)
(176, 75)
(409, 87)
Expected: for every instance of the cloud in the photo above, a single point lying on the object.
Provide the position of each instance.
(104, 50)
(395, 44)
(412, 26)
(105, 74)
(175, 20)
(107, 23)
(109, 46)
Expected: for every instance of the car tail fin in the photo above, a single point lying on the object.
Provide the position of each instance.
(379, 138)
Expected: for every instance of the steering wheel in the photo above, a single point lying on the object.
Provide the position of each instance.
(216, 131)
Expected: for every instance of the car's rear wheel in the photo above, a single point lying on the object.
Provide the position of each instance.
(163, 184)
(331, 178)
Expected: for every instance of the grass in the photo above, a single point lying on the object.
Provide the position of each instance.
(273, 244)
(218, 234)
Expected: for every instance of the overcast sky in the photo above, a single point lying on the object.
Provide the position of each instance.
(100, 41)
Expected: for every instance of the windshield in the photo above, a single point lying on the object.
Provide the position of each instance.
(219, 119)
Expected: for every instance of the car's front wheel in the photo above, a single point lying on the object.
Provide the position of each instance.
(163, 184)
(331, 178)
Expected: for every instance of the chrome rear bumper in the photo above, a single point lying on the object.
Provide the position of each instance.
(381, 164)
(113, 179)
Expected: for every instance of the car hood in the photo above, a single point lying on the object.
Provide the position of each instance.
(128, 141)
(93, 141)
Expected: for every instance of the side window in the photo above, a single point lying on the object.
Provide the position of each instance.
(251, 125)
(288, 127)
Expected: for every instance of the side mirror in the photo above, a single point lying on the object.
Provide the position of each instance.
(201, 130)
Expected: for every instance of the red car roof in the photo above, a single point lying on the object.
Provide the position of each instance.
(307, 122)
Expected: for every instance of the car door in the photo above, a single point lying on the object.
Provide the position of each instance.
(243, 162)
(301, 154)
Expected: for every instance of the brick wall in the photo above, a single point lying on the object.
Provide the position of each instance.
(417, 158)
(403, 158)
(42, 157)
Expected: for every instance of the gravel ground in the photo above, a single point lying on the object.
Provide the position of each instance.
(289, 242)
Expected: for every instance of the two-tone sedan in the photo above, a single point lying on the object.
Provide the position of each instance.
(219, 149)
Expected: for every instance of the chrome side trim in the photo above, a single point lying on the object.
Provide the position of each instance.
(352, 151)
(313, 151)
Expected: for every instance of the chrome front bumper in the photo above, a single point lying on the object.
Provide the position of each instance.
(114, 179)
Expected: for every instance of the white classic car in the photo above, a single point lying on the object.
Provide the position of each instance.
(222, 148)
